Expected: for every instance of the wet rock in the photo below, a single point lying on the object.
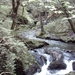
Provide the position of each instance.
(57, 65)
(57, 60)
(44, 36)
(73, 53)
(32, 44)
(44, 60)
(71, 73)
(39, 58)
(32, 69)
(73, 65)
(56, 54)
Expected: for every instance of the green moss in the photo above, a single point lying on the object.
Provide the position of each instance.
(14, 48)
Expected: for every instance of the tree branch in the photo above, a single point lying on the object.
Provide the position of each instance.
(6, 73)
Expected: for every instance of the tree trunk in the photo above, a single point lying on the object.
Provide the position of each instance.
(23, 11)
(15, 6)
(41, 24)
(68, 15)
(14, 21)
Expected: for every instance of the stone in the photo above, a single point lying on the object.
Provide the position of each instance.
(73, 65)
(39, 58)
(32, 69)
(33, 44)
(56, 54)
(57, 65)
(57, 59)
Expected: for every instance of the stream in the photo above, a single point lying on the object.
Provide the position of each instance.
(57, 46)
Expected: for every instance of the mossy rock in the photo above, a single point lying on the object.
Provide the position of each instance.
(32, 44)
(44, 36)
(13, 49)
(71, 73)
(58, 26)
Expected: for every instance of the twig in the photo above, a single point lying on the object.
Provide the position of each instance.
(6, 73)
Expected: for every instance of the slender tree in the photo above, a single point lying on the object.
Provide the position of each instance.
(41, 24)
(67, 15)
(15, 6)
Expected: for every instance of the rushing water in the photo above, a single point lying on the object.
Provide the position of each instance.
(57, 45)
(44, 68)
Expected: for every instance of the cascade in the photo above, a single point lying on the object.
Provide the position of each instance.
(45, 71)
(57, 45)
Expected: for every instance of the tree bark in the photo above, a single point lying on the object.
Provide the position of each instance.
(23, 11)
(41, 24)
(15, 6)
(68, 15)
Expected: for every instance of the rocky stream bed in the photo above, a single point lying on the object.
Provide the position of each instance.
(53, 58)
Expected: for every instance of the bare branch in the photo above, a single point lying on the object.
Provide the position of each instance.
(6, 73)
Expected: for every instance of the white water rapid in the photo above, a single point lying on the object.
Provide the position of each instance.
(55, 45)
(45, 71)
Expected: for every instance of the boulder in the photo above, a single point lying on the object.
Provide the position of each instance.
(32, 69)
(56, 54)
(32, 44)
(73, 65)
(57, 65)
(57, 60)
(41, 60)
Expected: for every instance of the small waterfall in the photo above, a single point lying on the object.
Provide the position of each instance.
(68, 68)
(44, 70)
(56, 45)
